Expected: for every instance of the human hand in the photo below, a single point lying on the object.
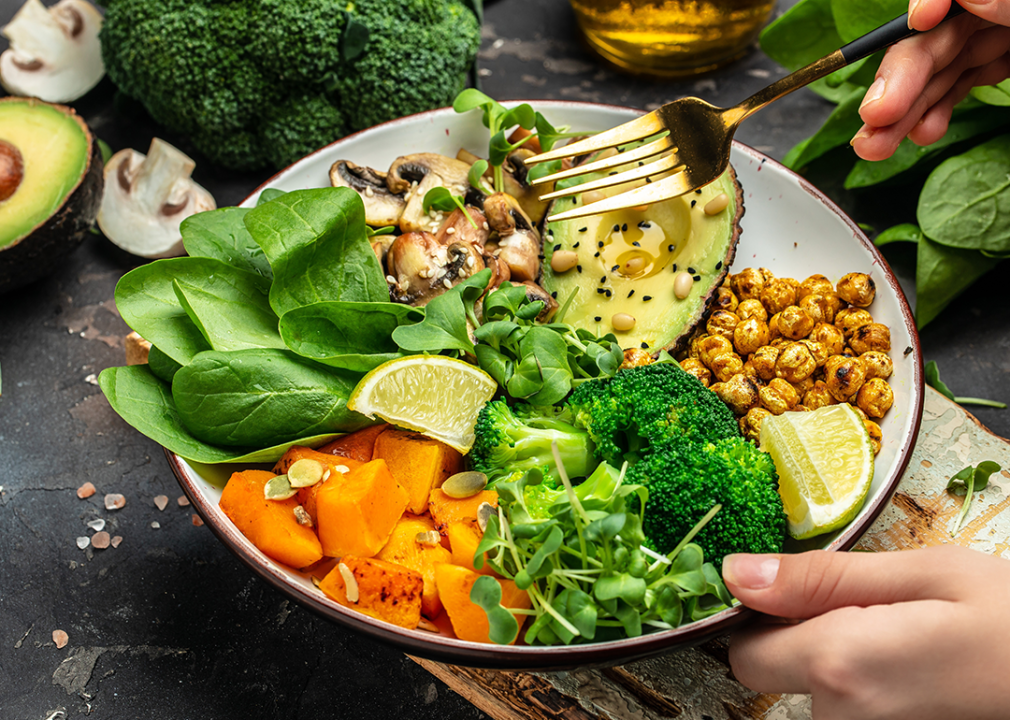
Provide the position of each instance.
(921, 634)
(922, 77)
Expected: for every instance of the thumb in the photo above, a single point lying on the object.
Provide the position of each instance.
(926, 14)
(812, 583)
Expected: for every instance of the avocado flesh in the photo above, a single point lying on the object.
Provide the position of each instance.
(672, 236)
(55, 150)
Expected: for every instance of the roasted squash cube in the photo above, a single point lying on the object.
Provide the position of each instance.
(419, 463)
(358, 445)
(469, 621)
(404, 549)
(445, 510)
(357, 514)
(380, 589)
(464, 537)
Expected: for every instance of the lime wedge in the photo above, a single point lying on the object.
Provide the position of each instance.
(825, 463)
(434, 395)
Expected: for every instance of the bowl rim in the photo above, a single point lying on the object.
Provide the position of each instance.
(533, 658)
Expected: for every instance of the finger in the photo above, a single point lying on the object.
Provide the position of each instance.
(812, 583)
(926, 14)
(995, 11)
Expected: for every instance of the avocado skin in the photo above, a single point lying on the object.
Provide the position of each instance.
(42, 250)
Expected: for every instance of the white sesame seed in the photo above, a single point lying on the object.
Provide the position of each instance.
(391, 280)
(369, 192)
(450, 231)
(448, 285)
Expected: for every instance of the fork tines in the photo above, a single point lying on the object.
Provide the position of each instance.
(637, 129)
(638, 154)
(676, 184)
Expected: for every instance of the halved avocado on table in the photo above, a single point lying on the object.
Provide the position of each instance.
(628, 263)
(50, 187)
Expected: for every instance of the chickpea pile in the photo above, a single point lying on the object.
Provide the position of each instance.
(773, 345)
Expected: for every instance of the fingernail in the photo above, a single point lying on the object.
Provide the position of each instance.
(912, 6)
(754, 572)
(864, 133)
(874, 92)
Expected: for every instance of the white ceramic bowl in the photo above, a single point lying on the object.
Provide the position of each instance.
(788, 226)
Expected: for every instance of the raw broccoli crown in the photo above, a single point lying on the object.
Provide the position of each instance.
(686, 481)
(650, 405)
(510, 440)
(264, 82)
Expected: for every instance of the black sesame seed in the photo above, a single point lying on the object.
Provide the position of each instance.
(693, 203)
(697, 278)
(597, 318)
(615, 268)
(583, 229)
(718, 265)
(670, 248)
(630, 293)
(637, 244)
(624, 227)
(579, 268)
(646, 298)
(698, 191)
(603, 279)
(575, 246)
(596, 254)
(609, 293)
(554, 294)
(556, 248)
(620, 149)
(617, 228)
(691, 270)
(599, 244)
(648, 180)
(642, 224)
(645, 346)
(675, 267)
(575, 201)
(539, 257)
(612, 172)
(600, 291)
(641, 163)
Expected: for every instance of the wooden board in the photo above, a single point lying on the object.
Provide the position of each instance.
(697, 684)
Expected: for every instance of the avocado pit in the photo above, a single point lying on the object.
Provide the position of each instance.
(12, 169)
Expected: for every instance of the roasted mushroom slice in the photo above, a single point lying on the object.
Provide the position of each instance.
(534, 292)
(516, 177)
(457, 227)
(380, 246)
(518, 240)
(414, 175)
(420, 267)
(382, 207)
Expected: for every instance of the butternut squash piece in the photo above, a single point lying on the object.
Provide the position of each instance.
(464, 537)
(418, 463)
(469, 621)
(357, 445)
(404, 549)
(270, 525)
(445, 510)
(381, 589)
(357, 514)
(307, 495)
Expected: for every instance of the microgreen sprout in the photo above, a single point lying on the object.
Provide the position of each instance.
(969, 481)
(934, 381)
(440, 198)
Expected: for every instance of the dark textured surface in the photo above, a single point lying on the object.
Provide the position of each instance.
(169, 625)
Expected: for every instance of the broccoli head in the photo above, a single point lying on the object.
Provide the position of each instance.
(515, 440)
(686, 481)
(650, 405)
(255, 83)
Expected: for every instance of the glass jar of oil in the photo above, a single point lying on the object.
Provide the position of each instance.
(671, 38)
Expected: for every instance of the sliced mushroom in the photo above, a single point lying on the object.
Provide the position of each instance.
(518, 241)
(54, 53)
(534, 292)
(457, 227)
(382, 207)
(381, 245)
(420, 267)
(146, 198)
(414, 218)
(409, 169)
(516, 177)
(499, 271)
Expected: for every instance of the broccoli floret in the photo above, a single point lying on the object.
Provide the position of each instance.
(657, 404)
(515, 440)
(254, 83)
(686, 481)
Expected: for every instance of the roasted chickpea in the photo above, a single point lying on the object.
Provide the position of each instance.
(693, 350)
(875, 397)
(795, 363)
(750, 424)
(767, 274)
(763, 359)
(747, 284)
(859, 412)
(794, 323)
(778, 396)
(750, 371)
(851, 319)
(874, 336)
(877, 364)
(773, 327)
(738, 392)
(801, 408)
(844, 376)
(857, 289)
(817, 350)
(819, 396)
(751, 308)
(635, 357)
(876, 435)
(777, 295)
(726, 366)
(725, 299)
(693, 366)
(815, 285)
(802, 386)
(818, 307)
(781, 342)
(711, 347)
(750, 335)
(829, 336)
(722, 322)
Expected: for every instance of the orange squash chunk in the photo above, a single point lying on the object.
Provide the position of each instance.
(403, 549)
(270, 525)
(307, 496)
(469, 621)
(445, 510)
(357, 445)
(418, 463)
(357, 514)
(464, 537)
(385, 591)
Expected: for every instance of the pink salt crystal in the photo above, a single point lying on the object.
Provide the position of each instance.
(197, 521)
(161, 501)
(100, 540)
(60, 638)
(116, 540)
(114, 501)
(86, 490)
(183, 501)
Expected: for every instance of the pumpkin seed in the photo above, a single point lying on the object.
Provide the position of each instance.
(428, 626)
(464, 484)
(305, 472)
(431, 538)
(278, 488)
(303, 517)
(350, 583)
(484, 512)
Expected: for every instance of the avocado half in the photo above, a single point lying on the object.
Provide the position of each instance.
(50, 187)
(628, 262)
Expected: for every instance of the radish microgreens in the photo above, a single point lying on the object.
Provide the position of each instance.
(967, 482)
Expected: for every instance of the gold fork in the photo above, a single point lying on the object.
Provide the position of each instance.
(695, 137)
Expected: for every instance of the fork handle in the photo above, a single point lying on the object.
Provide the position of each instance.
(886, 35)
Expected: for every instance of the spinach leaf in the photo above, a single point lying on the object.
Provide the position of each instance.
(967, 482)
(163, 367)
(355, 336)
(229, 306)
(905, 232)
(837, 130)
(445, 319)
(855, 19)
(146, 404)
(317, 248)
(993, 94)
(146, 300)
(965, 202)
(267, 195)
(221, 234)
(932, 373)
(941, 274)
(262, 397)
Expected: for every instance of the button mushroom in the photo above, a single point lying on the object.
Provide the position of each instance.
(54, 53)
(419, 173)
(420, 266)
(518, 241)
(147, 197)
(382, 207)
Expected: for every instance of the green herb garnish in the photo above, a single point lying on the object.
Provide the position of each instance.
(934, 381)
(967, 482)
